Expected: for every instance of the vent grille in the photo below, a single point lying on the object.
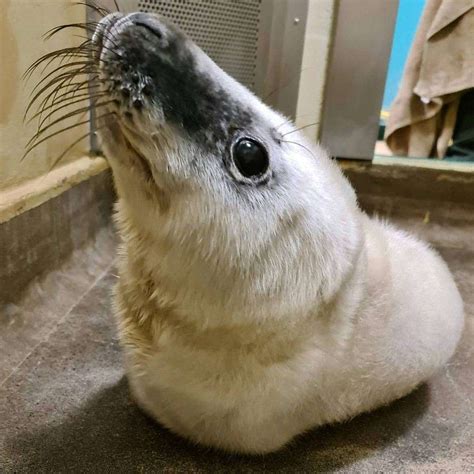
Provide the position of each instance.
(227, 30)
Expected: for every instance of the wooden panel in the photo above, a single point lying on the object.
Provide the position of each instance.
(22, 24)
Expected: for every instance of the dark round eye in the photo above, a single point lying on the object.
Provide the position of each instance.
(250, 158)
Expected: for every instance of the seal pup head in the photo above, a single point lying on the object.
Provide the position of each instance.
(231, 208)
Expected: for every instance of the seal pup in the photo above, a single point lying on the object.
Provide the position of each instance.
(255, 300)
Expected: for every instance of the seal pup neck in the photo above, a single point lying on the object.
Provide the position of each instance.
(231, 219)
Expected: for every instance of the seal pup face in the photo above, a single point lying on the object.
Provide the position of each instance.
(204, 169)
(169, 95)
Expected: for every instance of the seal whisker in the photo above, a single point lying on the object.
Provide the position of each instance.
(300, 128)
(63, 76)
(299, 144)
(66, 105)
(103, 47)
(65, 117)
(89, 26)
(62, 67)
(288, 120)
(61, 90)
(89, 83)
(81, 110)
(73, 87)
(52, 55)
(93, 6)
(88, 80)
(69, 147)
(33, 146)
(72, 145)
(62, 79)
(68, 94)
(85, 55)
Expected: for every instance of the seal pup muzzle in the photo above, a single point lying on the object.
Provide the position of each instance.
(255, 299)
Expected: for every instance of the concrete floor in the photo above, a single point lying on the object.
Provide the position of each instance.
(65, 406)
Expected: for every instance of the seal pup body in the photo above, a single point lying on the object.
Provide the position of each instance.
(255, 299)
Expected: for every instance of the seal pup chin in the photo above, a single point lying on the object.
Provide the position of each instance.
(255, 300)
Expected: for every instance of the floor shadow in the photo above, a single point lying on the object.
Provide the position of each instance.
(110, 434)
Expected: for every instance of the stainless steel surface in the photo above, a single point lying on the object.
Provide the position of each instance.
(280, 53)
(356, 76)
(225, 29)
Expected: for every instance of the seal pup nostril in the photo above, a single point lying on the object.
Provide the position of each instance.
(147, 89)
(125, 91)
(137, 103)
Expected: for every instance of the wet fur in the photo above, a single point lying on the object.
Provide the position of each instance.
(249, 314)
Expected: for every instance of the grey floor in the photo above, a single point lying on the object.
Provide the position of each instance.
(65, 406)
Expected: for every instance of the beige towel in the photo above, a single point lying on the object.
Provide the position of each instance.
(439, 68)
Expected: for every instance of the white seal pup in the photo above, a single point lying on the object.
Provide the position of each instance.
(255, 300)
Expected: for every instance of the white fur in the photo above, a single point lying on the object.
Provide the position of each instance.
(248, 321)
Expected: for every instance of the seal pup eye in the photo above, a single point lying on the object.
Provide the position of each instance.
(250, 158)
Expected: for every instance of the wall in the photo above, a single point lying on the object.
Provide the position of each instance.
(293, 55)
(318, 35)
(28, 183)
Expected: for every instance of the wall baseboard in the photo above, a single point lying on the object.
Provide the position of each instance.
(41, 238)
(32, 193)
(445, 186)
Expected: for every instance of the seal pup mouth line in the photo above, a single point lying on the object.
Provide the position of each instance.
(144, 165)
(115, 127)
